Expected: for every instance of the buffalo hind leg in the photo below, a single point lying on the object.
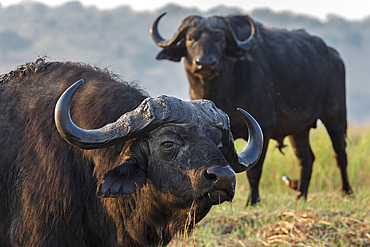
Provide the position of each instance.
(338, 138)
(254, 176)
(302, 149)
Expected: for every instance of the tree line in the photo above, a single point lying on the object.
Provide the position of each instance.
(119, 40)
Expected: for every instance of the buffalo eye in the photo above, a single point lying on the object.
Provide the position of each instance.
(167, 144)
(193, 36)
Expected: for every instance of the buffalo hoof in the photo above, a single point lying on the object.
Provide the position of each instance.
(348, 193)
(252, 202)
(300, 195)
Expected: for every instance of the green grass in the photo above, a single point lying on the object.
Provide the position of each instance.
(325, 219)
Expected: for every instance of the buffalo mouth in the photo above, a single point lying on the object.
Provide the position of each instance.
(219, 185)
(219, 196)
(216, 197)
(206, 74)
(209, 199)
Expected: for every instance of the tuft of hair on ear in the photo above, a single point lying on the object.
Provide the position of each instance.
(124, 177)
(172, 53)
(122, 180)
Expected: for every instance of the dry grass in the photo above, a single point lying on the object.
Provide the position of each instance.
(296, 228)
(326, 219)
(293, 225)
(307, 227)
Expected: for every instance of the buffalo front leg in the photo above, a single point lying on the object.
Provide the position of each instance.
(254, 176)
(305, 156)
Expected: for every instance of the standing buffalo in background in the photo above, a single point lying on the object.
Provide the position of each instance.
(162, 160)
(286, 79)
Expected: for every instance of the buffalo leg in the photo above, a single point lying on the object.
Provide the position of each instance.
(305, 156)
(337, 136)
(254, 176)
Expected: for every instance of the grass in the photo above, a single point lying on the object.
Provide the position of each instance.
(325, 219)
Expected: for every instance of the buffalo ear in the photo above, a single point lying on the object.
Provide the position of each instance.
(121, 180)
(173, 53)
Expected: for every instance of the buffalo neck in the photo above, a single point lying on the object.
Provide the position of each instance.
(222, 87)
(143, 220)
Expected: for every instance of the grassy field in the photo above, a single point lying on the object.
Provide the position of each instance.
(325, 219)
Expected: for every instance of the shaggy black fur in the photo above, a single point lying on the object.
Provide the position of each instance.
(48, 187)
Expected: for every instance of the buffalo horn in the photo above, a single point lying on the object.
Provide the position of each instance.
(148, 115)
(249, 43)
(189, 22)
(87, 139)
(250, 155)
(252, 152)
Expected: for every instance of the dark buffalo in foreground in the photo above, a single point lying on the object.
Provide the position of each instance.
(286, 79)
(137, 169)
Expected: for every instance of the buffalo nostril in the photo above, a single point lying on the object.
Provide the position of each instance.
(206, 61)
(222, 175)
(219, 183)
(197, 62)
(209, 175)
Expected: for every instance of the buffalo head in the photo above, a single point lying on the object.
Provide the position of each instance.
(205, 43)
(184, 149)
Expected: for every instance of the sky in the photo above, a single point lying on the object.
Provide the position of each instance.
(351, 10)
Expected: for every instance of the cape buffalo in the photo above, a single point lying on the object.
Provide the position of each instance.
(137, 169)
(286, 79)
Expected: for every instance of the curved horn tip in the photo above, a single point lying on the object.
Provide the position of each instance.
(244, 113)
(67, 95)
(61, 112)
(161, 15)
(157, 38)
(251, 154)
(157, 20)
(74, 87)
(241, 110)
(251, 41)
(78, 83)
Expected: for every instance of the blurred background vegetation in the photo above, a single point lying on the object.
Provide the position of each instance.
(119, 39)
